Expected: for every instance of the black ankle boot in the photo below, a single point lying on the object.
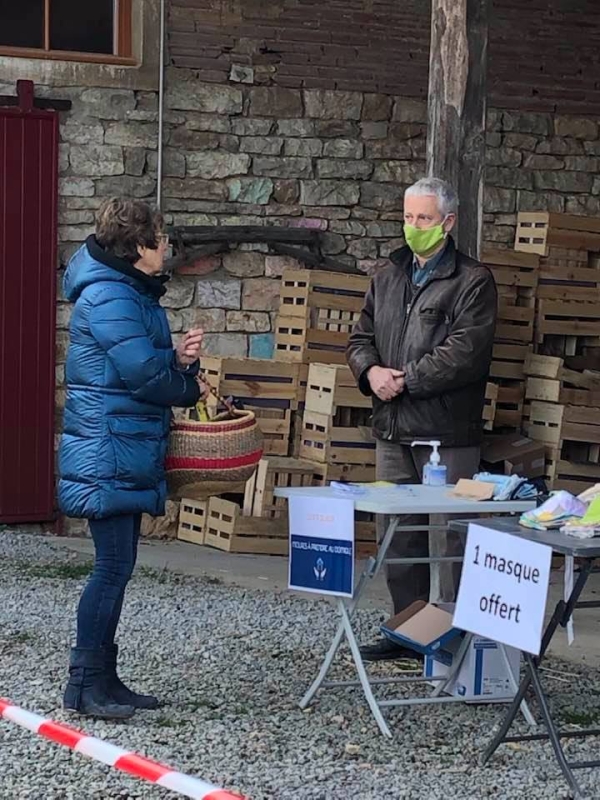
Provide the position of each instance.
(117, 689)
(87, 692)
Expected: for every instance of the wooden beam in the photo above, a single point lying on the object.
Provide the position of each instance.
(457, 108)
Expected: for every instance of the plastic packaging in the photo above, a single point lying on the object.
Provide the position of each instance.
(434, 472)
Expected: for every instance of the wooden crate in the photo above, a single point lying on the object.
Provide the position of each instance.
(228, 529)
(509, 406)
(275, 473)
(567, 319)
(325, 442)
(508, 361)
(304, 290)
(350, 473)
(330, 386)
(249, 378)
(325, 343)
(537, 231)
(515, 322)
(550, 381)
(570, 275)
(192, 520)
(489, 409)
(511, 269)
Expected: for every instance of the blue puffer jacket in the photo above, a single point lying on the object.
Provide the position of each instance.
(122, 380)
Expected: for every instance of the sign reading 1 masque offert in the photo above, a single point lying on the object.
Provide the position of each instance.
(322, 545)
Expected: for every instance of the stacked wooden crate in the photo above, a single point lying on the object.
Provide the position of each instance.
(516, 276)
(563, 373)
(316, 314)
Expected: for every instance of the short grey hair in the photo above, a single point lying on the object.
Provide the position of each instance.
(446, 196)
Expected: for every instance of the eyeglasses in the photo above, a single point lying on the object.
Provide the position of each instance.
(163, 238)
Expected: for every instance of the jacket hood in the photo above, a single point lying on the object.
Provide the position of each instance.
(91, 264)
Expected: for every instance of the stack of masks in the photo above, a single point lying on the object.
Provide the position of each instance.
(560, 509)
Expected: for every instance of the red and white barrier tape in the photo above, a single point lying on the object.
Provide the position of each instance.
(115, 757)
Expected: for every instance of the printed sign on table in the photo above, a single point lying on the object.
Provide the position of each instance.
(504, 588)
(322, 545)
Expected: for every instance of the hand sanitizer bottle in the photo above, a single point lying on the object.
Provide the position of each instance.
(434, 472)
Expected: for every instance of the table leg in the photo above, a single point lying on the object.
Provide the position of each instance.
(525, 710)
(370, 571)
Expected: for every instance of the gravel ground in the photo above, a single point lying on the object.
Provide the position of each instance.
(231, 665)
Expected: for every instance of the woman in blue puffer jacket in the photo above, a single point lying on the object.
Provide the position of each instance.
(122, 376)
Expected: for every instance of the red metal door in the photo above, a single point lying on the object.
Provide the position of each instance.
(28, 253)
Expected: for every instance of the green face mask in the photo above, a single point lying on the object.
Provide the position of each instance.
(423, 241)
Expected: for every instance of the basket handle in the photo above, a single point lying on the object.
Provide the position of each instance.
(229, 406)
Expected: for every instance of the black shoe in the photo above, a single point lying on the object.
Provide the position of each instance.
(86, 693)
(117, 689)
(386, 650)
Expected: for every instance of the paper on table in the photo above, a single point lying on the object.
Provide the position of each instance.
(473, 490)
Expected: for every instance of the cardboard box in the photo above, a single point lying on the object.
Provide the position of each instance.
(483, 676)
(422, 627)
(513, 454)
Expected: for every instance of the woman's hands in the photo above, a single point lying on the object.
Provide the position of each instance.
(188, 349)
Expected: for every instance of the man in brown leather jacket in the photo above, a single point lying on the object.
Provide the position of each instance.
(422, 348)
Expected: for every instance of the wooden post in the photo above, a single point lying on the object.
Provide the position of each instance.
(457, 108)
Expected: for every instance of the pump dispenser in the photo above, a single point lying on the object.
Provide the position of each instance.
(434, 472)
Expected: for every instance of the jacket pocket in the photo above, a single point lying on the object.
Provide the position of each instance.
(137, 445)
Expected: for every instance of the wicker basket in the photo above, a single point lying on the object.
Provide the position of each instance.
(226, 449)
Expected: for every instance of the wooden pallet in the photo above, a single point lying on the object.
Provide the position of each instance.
(536, 232)
(305, 290)
(550, 381)
(512, 269)
(349, 473)
(489, 409)
(228, 529)
(509, 406)
(570, 275)
(568, 319)
(192, 520)
(248, 378)
(323, 441)
(508, 361)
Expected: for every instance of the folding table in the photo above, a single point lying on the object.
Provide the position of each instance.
(395, 502)
(587, 550)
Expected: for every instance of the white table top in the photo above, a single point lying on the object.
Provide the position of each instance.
(411, 499)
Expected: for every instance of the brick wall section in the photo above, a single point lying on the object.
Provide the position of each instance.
(543, 53)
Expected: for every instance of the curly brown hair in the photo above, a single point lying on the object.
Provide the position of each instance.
(123, 224)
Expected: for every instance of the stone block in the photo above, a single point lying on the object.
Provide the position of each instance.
(202, 266)
(303, 147)
(363, 248)
(374, 130)
(74, 233)
(535, 201)
(536, 161)
(349, 170)
(578, 127)
(81, 131)
(195, 188)
(520, 141)
(328, 104)
(275, 266)
(580, 204)
(75, 217)
(503, 157)
(382, 196)
(208, 98)
(390, 149)
(248, 321)
(219, 293)
(347, 227)
(388, 247)
(96, 160)
(132, 134)
(217, 165)
(409, 110)
(563, 181)
(186, 139)
(251, 127)
(282, 167)
(126, 186)
(211, 123)
(260, 294)
(381, 230)
(329, 193)
(344, 148)
(527, 122)
(263, 145)
(262, 345)
(174, 164)
(211, 320)
(286, 192)
(377, 107)
(135, 160)
(404, 172)
(106, 103)
(581, 164)
(180, 293)
(75, 187)
(63, 315)
(558, 146)
(332, 243)
(175, 319)
(335, 128)
(244, 264)
(226, 344)
(256, 191)
(296, 127)
(499, 200)
(275, 101)
(508, 177)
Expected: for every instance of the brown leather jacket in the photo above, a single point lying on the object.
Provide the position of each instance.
(441, 335)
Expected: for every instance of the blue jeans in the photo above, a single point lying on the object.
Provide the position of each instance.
(116, 542)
